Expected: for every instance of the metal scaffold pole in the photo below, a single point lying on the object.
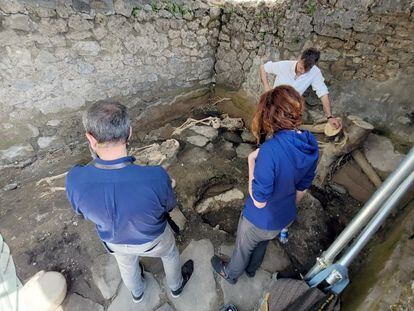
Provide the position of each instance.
(372, 206)
(376, 222)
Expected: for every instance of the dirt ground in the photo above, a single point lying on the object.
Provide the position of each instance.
(45, 234)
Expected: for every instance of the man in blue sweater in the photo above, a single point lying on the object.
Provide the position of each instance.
(128, 203)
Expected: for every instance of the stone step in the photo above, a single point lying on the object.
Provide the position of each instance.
(123, 301)
(200, 292)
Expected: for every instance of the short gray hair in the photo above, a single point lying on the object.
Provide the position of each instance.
(107, 122)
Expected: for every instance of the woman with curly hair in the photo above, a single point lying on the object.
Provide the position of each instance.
(279, 173)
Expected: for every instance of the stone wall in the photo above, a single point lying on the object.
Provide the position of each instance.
(59, 56)
(367, 53)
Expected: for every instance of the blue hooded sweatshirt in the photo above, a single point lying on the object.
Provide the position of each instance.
(285, 163)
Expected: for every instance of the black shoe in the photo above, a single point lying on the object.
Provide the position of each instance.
(250, 274)
(186, 271)
(138, 299)
(217, 264)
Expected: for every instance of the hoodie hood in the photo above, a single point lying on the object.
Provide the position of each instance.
(302, 147)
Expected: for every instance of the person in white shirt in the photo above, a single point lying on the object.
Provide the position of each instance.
(300, 75)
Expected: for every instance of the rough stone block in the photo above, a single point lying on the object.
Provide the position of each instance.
(380, 153)
(76, 302)
(355, 181)
(103, 6)
(308, 233)
(49, 142)
(243, 150)
(78, 23)
(178, 218)
(207, 131)
(198, 140)
(215, 203)
(105, 274)
(11, 6)
(16, 153)
(248, 137)
(246, 293)
(200, 291)
(19, 22)
(87, 48)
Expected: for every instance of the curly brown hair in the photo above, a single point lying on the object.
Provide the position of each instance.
(279, 108)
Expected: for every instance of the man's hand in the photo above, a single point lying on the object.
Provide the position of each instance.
(336, 123)
(263, 78)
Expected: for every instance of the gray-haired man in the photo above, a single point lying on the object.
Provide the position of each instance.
(128, 203)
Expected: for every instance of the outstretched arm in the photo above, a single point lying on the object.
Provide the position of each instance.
(328, 112)
(263, 78)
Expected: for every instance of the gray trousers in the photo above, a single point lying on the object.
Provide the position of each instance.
(250, 240)
(164, 247)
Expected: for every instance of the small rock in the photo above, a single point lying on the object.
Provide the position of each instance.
(46, 141)
(243, 150)
(228, 146)
(197, 140)
(404, 120)
(351, 177)
(9, 187)
(248, 137)
(200, 293)
(380, 153)
(213, 203)
(179, 218)
(206, 131)
(123, 301)
(53, 122)
(105, 274)
(34, 130)
(337, 188)
(76, 302)
(232, 137)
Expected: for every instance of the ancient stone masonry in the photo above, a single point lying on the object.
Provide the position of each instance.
(367, 52)
(58, 56)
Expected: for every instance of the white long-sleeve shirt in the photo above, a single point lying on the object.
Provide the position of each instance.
(285, 74)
